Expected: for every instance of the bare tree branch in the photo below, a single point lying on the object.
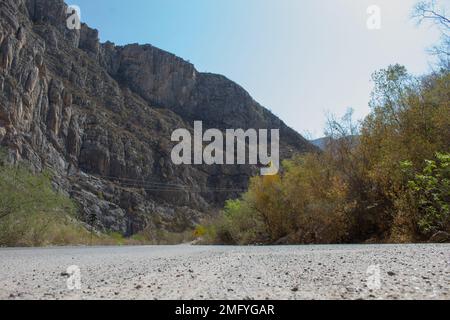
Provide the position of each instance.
(426, 10)
(429, 11)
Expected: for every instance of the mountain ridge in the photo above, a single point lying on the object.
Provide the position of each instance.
(100, 117)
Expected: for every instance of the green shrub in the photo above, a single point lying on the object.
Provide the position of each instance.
(432, 190)
(117, 237)
(356, 190)
(158, 236)
(31, 212)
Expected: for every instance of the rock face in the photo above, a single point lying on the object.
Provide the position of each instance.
(100, 117)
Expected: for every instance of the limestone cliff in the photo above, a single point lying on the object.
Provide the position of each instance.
(100, 117)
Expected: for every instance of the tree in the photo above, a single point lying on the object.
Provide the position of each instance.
(429, 11)
(29, 207)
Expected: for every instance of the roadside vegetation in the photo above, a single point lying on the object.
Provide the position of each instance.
(385, 179)
(33, 214)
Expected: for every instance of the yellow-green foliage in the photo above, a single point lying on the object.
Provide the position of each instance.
(117, 237)
(431, 189)
(410, 121)
(317, 199)
(32, 213)
(200, 231)
(158, 236)
(358, 189)
(303, 204)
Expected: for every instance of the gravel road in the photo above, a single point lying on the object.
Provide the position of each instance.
(200, 272)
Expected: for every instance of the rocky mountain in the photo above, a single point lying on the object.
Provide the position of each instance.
(100, 118)
(320, 143)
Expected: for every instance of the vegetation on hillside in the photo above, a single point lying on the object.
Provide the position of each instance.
(384, 179)
(32, 213)
(389, 183)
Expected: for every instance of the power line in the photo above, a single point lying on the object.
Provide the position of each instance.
(138, 180)
(165, 187)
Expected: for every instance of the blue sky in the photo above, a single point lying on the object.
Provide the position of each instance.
(299, 58)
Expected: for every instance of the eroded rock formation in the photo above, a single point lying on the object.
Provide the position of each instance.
(100, 117)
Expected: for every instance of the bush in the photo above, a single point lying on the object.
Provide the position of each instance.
(272, 208)
(159, 236)
(357, 189)
(431, 188)
(31, 212)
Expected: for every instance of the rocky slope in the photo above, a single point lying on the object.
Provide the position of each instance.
(100, 117)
